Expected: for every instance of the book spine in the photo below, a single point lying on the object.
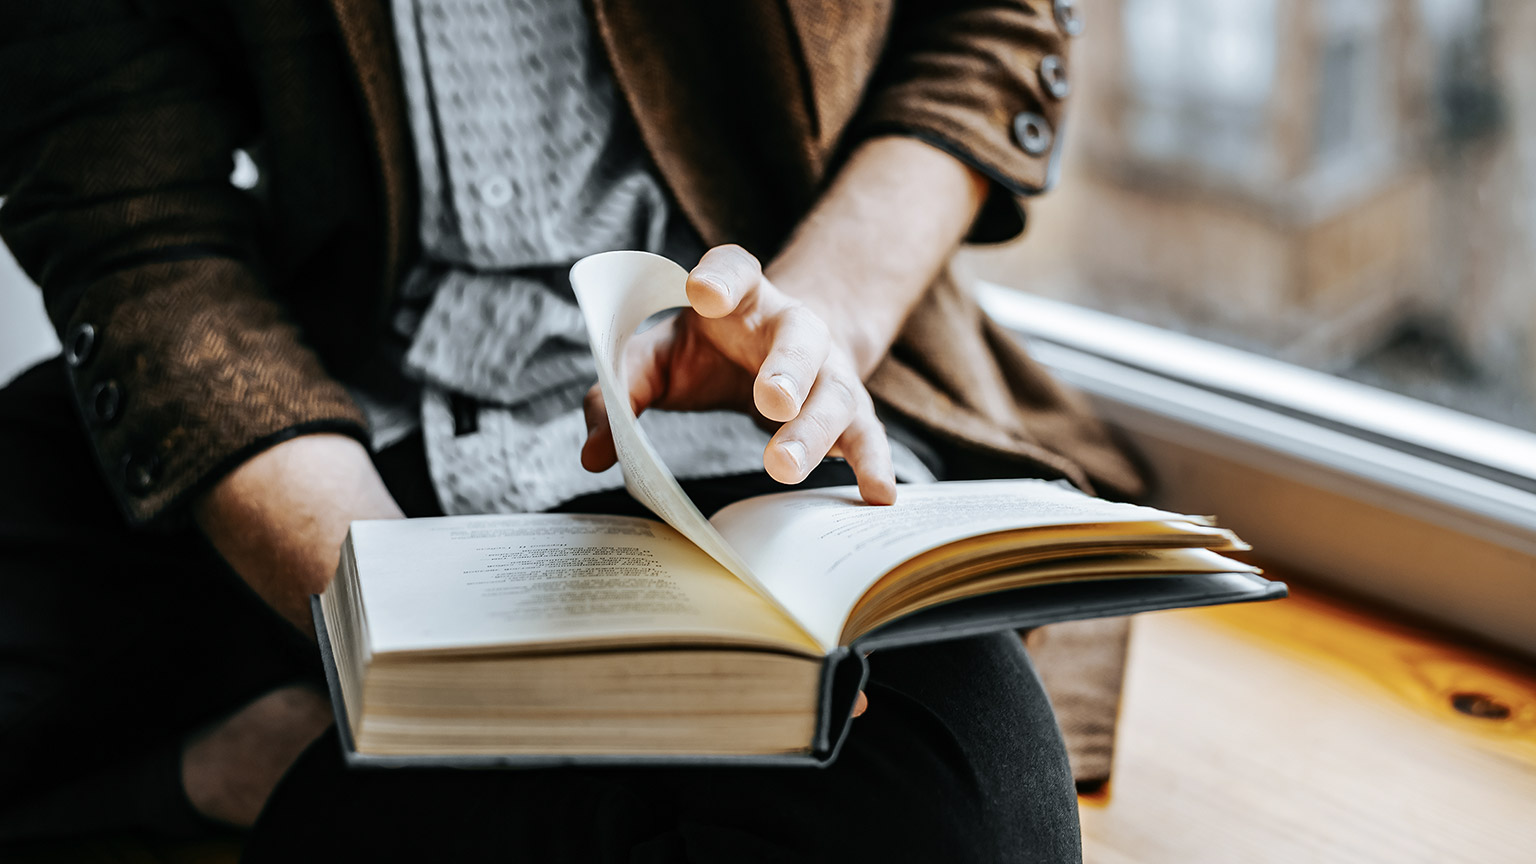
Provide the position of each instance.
(842, 678)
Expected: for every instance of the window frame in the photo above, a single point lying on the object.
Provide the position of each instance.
(1410, 504)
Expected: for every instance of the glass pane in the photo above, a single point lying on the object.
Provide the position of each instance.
(1346, 184)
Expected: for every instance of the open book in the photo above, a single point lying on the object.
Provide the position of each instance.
(546, 638)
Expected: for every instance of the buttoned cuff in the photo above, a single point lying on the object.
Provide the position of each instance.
(1021, 157)
(183, 370)
(994, 100)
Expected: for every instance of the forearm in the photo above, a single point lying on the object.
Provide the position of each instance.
(877, 238)
(280, 518)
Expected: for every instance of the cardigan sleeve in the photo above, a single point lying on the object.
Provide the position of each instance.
(985, 82)
(117, 135)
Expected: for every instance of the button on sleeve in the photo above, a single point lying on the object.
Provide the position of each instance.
(106, 401)
(1053, 76)
(141, 471)
(973, 80)
(1068, 18)
(79, 345)
(1033, 132)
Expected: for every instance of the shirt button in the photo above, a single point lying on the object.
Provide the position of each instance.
(1053, 74)
(1067, 17)
(106, 401)
(494, 191)
(141, 471)
(1032, 132)
(79, 344)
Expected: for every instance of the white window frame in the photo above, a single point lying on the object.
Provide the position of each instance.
(1420, 507)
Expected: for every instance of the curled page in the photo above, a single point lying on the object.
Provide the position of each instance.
(617, 292)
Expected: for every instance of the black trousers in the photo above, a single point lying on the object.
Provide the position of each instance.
(116, 644)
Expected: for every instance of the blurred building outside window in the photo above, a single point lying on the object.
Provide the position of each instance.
(1197, 82)
(1349, 185)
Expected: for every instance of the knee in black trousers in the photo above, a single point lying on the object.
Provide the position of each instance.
(957, 760)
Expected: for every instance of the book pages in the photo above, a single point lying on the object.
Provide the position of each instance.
(499, 582)
(617, 292)
(819, 550)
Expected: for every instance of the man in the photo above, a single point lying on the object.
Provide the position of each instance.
(378, 328)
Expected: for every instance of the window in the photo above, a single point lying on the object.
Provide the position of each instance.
(1346, 186)
(1291, 256)
(1353, 120)
(1198, 77)
(1421, 507)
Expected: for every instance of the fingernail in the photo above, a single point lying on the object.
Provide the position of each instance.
(796, 453)
(786, 386)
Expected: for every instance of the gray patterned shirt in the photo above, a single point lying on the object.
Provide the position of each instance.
(527, 162)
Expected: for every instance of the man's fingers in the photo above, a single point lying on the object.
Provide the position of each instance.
(598, 453)
(868, 452)
(800, 347)
(644, 360)
(722, 279)
(802, 442)
(861, 704)
(837, 412)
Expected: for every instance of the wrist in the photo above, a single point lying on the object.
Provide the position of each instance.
(872, 245)
(280, 518)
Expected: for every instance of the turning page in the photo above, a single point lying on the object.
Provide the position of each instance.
(617, 292)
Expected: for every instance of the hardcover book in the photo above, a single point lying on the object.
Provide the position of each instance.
(541, 639)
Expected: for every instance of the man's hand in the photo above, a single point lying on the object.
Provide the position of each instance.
(747, 346)
(795, 350)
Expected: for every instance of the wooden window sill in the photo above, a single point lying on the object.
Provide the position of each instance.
(1309, 729)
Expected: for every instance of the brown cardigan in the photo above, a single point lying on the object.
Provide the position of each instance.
(204, 323)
